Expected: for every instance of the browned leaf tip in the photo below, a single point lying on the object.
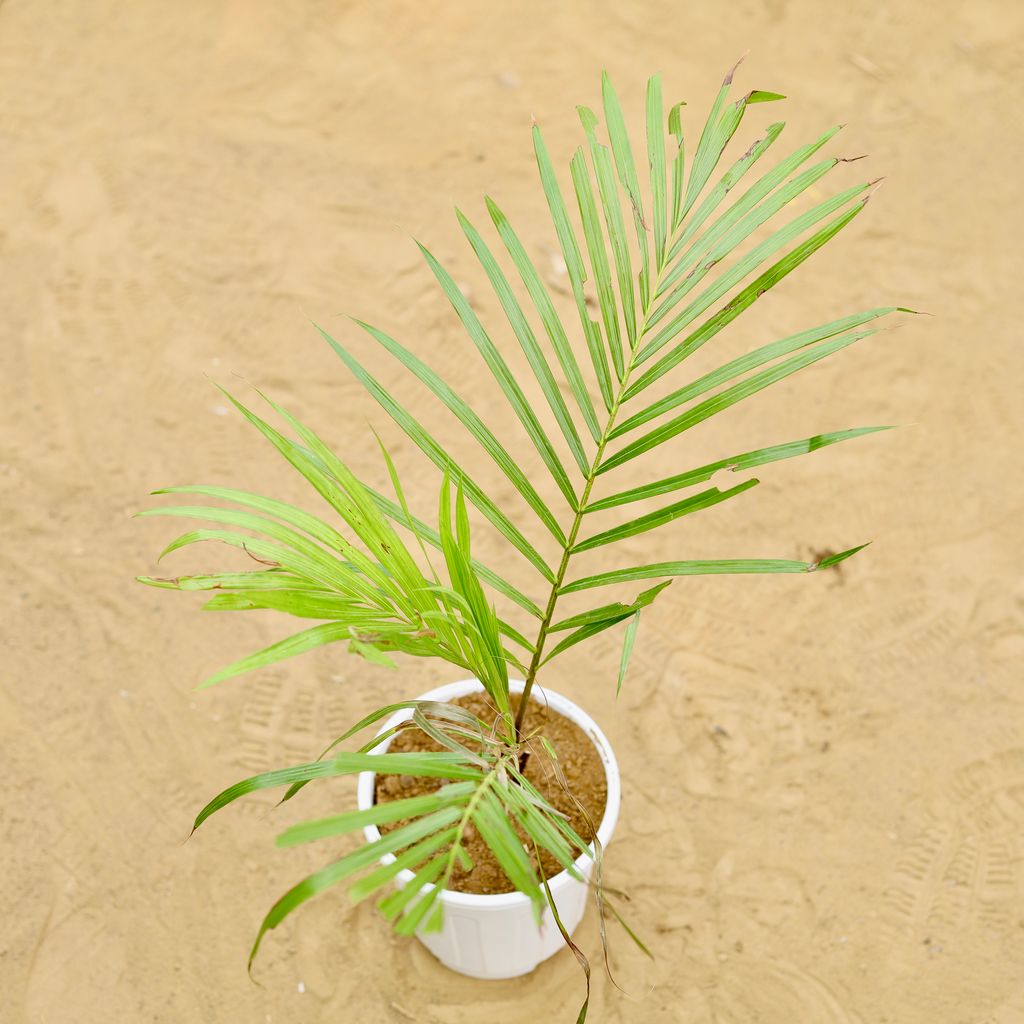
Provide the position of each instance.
(728, 77)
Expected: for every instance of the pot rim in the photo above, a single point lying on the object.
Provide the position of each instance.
(561, 704)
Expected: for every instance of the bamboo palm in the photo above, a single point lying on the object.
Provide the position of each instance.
(667, 266)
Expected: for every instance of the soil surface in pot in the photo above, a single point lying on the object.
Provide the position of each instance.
(581, 765)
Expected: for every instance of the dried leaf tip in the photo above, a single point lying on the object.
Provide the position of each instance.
(728, 78)
(874, 186)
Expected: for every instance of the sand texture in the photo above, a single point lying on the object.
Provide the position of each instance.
(823, 807)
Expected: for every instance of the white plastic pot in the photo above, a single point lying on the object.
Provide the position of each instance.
(497, 936)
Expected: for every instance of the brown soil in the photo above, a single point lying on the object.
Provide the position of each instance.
(580, 764)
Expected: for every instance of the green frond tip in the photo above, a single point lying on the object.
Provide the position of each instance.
(831, 560)
(627, 650)
(374, 655)
(287, 648)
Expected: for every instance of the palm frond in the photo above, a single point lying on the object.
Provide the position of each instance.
(531, 349)
(712, 567)
(573, 265)
(439, 457)
(432, 828)
(505, 379)
(734, 463)
(546, 311)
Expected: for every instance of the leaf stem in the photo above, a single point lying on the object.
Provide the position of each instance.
(549, 611)
(464, 821)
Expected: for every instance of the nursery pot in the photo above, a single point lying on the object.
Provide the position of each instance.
(496, 936)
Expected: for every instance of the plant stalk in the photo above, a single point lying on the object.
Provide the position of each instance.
(549, 611)
(535, 661)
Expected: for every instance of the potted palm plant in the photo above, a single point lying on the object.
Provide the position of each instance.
(486, 803)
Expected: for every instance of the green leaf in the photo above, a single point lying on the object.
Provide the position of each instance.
(407, 859)
(391, 906)
(427, 901)
(599, 619)
(621, 148)
(591, 629)
(748, 460)
(430, 535)
(444, 736)
(742, 206)
(624, 164)
(709, 147)
(409, 520)
(706, 499)
(656, 162)
(745, 266)
(501, 373)
(528, 342)
(301, 603)
(346, 866)
(356, 505)
(490, 665)
(834, 560)
(573, 264)
(546, 310)
(730, 396)
(296, 517)
(370, 652)
(272, 579)
(608, 190)
(537, 826)
(716, 135)
(616, 610)
(514, 635)
(440, 458)
(703, 568)
(678, 165)
(707, 256)
(742, 301)
(298, 554)
(378, 814)
(598, 258)
(494, 828)
(440, 621)
(428, 707)
(347, 497)
(441, 765)
(317, 636)
(711, 202)
(472, 422)
(528, 792)
(748, 361)
(627, 649)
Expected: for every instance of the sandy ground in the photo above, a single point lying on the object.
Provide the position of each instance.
(824, 777)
